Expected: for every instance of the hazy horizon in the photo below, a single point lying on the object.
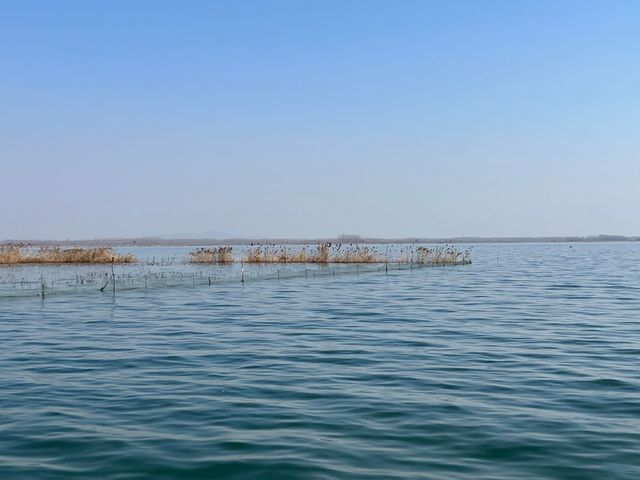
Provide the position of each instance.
(204, 236)
(308, 120)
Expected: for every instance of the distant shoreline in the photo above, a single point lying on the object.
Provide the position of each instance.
(190, 242)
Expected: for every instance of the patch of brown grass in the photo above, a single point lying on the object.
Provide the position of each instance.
(20, 254)
(271, 253)
(442, 255)
(355, 253)
(212, 255)
(323, 253)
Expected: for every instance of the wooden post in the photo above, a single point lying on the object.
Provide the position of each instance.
(113, 274)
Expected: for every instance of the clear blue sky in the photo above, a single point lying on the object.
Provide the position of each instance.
(318, 118)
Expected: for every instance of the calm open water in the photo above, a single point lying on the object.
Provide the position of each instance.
(525, 364)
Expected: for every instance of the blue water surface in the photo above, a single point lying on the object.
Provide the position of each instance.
(525, 364)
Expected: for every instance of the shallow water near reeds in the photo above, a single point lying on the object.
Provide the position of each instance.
(524, 364)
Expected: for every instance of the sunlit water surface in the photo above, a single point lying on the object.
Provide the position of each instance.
(525, 364)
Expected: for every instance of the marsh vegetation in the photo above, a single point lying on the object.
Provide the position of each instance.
(326, 253)
(257, 253)
(212, 255)
(15, 254)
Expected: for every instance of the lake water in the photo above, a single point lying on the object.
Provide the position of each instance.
(525, 364)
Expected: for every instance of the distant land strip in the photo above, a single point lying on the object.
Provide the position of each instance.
(187, 242)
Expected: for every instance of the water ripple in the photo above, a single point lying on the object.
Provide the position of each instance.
(521, 365)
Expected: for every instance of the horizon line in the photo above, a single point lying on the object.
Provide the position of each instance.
(193, 241)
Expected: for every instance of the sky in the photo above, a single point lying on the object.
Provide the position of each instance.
(318, 118)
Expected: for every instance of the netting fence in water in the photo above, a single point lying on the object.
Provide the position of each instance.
(25, 271)
(52, 280)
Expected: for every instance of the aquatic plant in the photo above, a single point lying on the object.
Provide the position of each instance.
(441, 255)
(271, 253)
(212, 255)
(14, 254)
(354, 253)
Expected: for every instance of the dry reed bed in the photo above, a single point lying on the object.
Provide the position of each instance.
(334, 253)
(22, 254)
(212, 255)
(257, 253)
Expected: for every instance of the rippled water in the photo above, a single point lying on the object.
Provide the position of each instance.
(525, 364)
